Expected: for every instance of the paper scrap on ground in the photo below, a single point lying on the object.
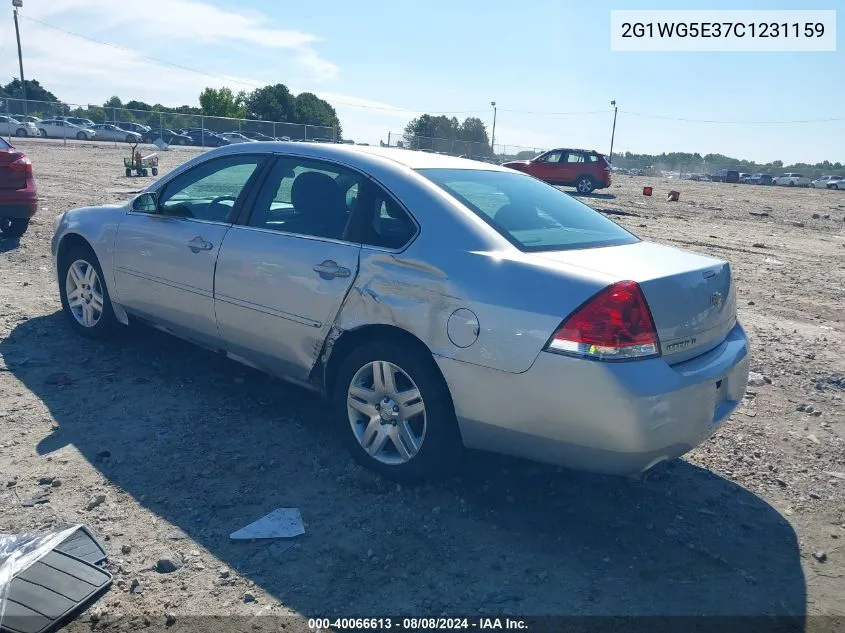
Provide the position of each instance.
(280, 523)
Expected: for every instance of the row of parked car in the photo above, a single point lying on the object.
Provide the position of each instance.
(789, 179)
(127, 131)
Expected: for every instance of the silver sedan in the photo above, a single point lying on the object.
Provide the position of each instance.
(438, 303)
(109, 132)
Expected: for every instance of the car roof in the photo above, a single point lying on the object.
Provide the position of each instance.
(362, 155)
(571, 149)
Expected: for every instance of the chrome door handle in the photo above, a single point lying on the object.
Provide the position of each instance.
(199, 244)
(329, 270)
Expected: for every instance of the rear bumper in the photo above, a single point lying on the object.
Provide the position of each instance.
(616, 418)
(19, 210)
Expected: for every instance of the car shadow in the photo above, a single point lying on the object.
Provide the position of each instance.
(209, 446)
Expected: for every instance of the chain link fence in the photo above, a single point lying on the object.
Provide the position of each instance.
(158, 123)
(461, 147)
(705, 171)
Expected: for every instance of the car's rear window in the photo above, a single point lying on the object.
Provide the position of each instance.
(529, 213)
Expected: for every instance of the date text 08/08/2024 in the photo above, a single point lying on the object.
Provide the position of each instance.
(417, 624)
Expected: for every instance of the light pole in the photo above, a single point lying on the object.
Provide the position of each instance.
(17, 4)
(613, 133)
(493, 135)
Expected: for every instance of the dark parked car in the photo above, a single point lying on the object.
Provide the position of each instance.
(583, 169)
(168, 136)
(205, 138)
(18, 195)
(725, 175)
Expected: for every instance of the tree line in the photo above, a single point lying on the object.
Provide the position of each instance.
(270, 103)
(444, 134)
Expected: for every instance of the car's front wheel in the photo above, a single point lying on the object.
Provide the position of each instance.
(84, 295)
(395, 413)
(585, 184)
(81, 136)
(20, 131)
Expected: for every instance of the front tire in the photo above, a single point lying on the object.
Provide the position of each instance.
(394, 412)
(80, 136)
(84, 295)
(20, 132)
(13, 227)
(42, 133)
(130, 138)
(585, 184)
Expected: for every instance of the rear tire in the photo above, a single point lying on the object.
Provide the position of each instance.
(103, 324)
(13, 227)
(130, 138)
(80, 136)
(791, 184)
(42, 133)
(585, 184)
(437, 444)
(155, 171)
(144, 172)
(20, 132)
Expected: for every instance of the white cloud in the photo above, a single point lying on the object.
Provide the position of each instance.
(200, 23)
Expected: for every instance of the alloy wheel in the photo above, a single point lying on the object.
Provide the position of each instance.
(386, 412)
(84, 293)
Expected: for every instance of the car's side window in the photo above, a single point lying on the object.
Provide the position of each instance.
(210, 190)
(574, 157)
(308, 197)
(553, 157)
(379, 220)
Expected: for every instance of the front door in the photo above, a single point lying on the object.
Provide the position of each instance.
(283, 274)
(165, 256)
(548, 166)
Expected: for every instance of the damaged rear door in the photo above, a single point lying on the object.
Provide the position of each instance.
(286, 267)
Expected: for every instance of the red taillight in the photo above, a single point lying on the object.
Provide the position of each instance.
(615, 324)
(21, 164)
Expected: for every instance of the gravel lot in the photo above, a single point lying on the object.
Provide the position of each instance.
(187, 447)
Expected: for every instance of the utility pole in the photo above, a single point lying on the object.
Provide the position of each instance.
(613, 133)
(17, 4)
(493, 136)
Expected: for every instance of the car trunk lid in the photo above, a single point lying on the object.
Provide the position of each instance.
(13, 169)
(691, 296)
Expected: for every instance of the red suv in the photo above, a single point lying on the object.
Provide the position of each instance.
(18, 196)
(583, 169)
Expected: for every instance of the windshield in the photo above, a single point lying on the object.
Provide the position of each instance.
(532, 215)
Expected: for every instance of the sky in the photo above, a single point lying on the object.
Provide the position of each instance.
(546, 63)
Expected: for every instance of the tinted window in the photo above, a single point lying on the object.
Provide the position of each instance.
(575, 157)
(209, 190)
(552, 157)
(534, 216)
(382, 222)
(308, 197)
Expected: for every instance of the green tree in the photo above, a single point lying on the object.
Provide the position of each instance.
(309, 109)
(113, 102)
(270, 103)
(223, 103)
(34, 91)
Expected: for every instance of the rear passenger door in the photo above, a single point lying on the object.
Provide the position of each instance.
(572, 165)
(286, 266)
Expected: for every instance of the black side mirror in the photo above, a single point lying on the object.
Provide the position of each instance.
(146, 203)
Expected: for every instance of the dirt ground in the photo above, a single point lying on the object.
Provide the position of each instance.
(187, 447)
